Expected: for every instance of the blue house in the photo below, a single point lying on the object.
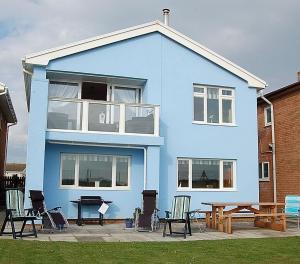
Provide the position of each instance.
(141, 108)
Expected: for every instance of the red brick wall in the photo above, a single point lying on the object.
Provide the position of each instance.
(287, 136)
(287, 127)
(3, 132)
(264, 154)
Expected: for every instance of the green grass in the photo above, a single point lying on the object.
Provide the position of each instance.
(269, 250)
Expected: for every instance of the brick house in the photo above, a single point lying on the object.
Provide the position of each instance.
(286, 108)
(7, 116)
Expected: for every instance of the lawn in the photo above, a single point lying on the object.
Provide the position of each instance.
(269, 250)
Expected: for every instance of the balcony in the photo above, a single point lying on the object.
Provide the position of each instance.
(102, 117)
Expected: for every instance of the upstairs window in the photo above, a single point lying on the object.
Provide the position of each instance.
(268, 116)
(63, 90)
(213, 105)
(264, 171)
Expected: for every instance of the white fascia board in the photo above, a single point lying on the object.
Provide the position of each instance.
(43, 58)
(253, 80)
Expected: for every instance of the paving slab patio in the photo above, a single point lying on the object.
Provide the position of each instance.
(117, 233)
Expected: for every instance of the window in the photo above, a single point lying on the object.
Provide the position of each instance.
(213, 105)
(95, 171)
(263, 171)
(95, 91)
(268, 116)
(63, 89)
(205, 174)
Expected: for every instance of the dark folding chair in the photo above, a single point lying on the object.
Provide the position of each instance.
(52, 218)
(147, 219)
(15, 212)
(180, 213)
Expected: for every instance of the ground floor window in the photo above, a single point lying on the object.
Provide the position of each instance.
(96, 171)
(213, 174)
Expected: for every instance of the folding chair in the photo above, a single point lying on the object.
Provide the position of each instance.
(15, 212)
(52, 218)
(179, 214)
(147, 219)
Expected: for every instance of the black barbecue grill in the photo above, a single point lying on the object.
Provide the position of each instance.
(89, 201)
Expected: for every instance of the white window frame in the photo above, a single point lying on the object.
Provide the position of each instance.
(266, 115)
(263, 178)
(220, 189)
(221, 97)
(76, 176)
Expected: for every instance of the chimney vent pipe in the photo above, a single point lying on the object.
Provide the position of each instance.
(166, 14)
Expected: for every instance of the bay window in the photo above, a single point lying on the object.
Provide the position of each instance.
(213, 105)
(95, 171)
(205, 174)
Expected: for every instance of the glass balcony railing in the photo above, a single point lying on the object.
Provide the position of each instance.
(87, 115)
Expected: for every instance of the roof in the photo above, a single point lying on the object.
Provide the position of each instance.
(6, 106)
(43, 57)
(15, 167)
(281, 91)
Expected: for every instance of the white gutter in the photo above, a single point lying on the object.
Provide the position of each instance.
(6, 145)
(145, 168)
(273, 146)
(28, 72)
(4, 89)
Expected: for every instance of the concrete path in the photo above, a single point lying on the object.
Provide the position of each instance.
(117, 233)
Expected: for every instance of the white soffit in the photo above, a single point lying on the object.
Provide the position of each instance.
(43, 57)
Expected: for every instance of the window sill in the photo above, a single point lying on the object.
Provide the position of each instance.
(268, 124)
(207, 190)
(95, 188)
(264, 180)
(213, 124)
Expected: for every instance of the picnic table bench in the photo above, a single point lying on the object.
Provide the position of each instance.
(266, 216)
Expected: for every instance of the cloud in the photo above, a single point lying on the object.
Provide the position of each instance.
(261, 36)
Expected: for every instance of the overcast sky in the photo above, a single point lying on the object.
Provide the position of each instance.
(262, 36)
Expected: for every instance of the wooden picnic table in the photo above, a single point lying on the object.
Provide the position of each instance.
(266, 210)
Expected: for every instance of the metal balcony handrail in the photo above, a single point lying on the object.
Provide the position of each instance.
(76, 100)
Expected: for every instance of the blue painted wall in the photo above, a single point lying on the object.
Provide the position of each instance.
(171, 70)
(124, 201)
(36, 132)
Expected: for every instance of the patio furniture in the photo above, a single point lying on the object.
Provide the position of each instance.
(15, 212)
(196, 215)
(147, 218)
(266, 216)
(52, 218)
(180, 213)
(57, 120)
(89, 201)
(292, 207)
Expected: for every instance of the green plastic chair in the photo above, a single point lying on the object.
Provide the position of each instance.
(15, 212)
(180, 213)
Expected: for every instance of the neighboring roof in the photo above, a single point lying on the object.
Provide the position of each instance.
(43, 57)
(6, 106)
(15, 167)
(281, 91)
